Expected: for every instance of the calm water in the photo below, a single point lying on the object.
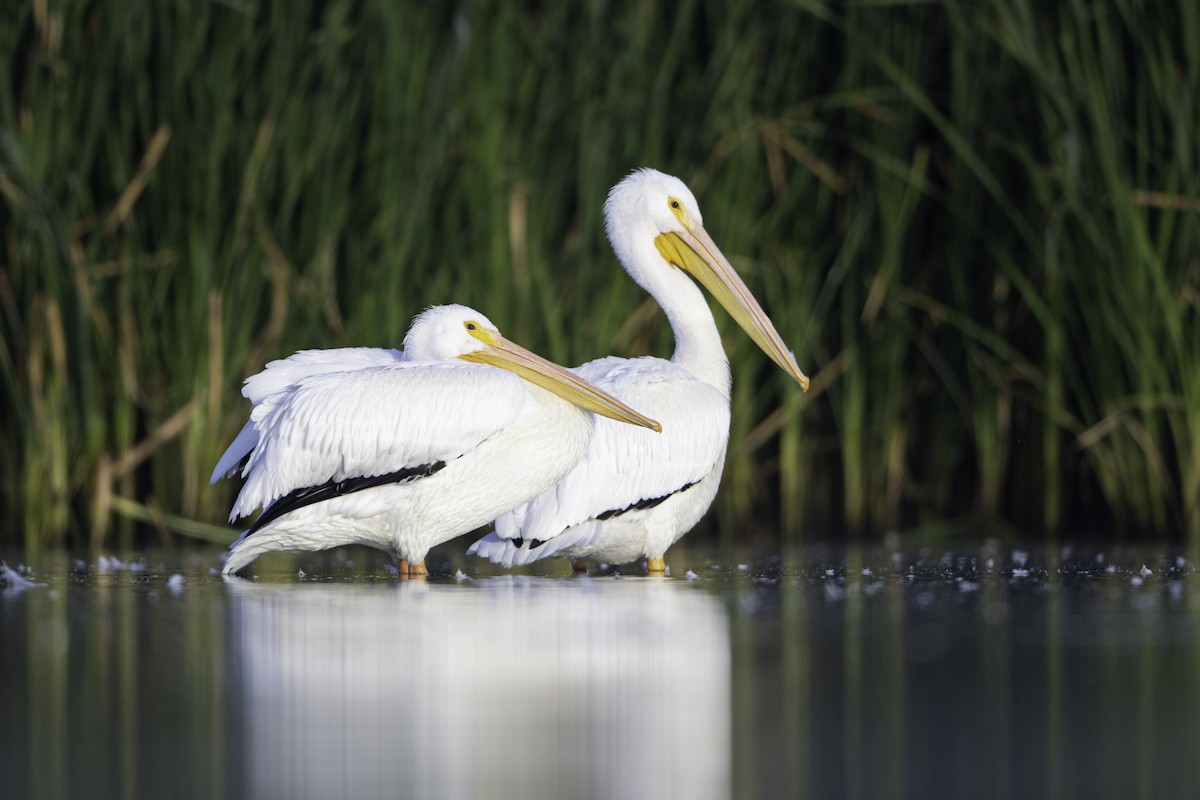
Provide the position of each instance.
(825, 673)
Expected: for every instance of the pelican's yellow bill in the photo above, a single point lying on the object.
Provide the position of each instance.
(694, 251)
(502, 353)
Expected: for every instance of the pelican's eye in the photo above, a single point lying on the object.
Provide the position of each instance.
(676, 206)
(471, 326)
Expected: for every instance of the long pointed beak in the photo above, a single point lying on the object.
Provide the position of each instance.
(550, 376)
(694, 251)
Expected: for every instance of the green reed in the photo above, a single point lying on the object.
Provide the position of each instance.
(976, 222)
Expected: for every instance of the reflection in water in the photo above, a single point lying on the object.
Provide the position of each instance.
(1001, 675)
(841, 673)
(519, 687)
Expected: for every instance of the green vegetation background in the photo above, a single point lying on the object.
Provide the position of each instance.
(975, 221)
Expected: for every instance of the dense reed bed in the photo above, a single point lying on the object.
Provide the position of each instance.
(977, 222)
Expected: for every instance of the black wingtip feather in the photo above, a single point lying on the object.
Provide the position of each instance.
(641, 505)
(331, 489)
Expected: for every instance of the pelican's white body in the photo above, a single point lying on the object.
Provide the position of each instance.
(689, 395)
(620, 470)
(337, 415)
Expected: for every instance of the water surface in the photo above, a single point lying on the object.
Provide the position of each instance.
(826, 672)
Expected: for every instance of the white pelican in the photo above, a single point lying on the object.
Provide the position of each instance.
(405, 450)
(633, 495)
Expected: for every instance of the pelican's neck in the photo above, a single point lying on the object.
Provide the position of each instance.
(698, 347)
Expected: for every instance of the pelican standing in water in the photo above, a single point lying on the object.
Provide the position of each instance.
(405, 450)
(634, 495)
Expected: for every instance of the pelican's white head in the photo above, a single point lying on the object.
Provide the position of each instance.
(642, 206)
(440, 333)
(655, 227)
(445, 333)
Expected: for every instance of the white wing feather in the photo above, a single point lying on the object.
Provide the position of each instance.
(242, 444)
(282, 373)
(623, 464)
(372, 421)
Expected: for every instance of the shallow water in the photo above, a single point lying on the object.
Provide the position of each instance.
(825, 673)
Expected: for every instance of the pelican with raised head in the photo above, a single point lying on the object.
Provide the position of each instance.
(403, 450)
(633, 495)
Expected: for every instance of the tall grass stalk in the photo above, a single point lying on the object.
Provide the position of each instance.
(978, 224)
